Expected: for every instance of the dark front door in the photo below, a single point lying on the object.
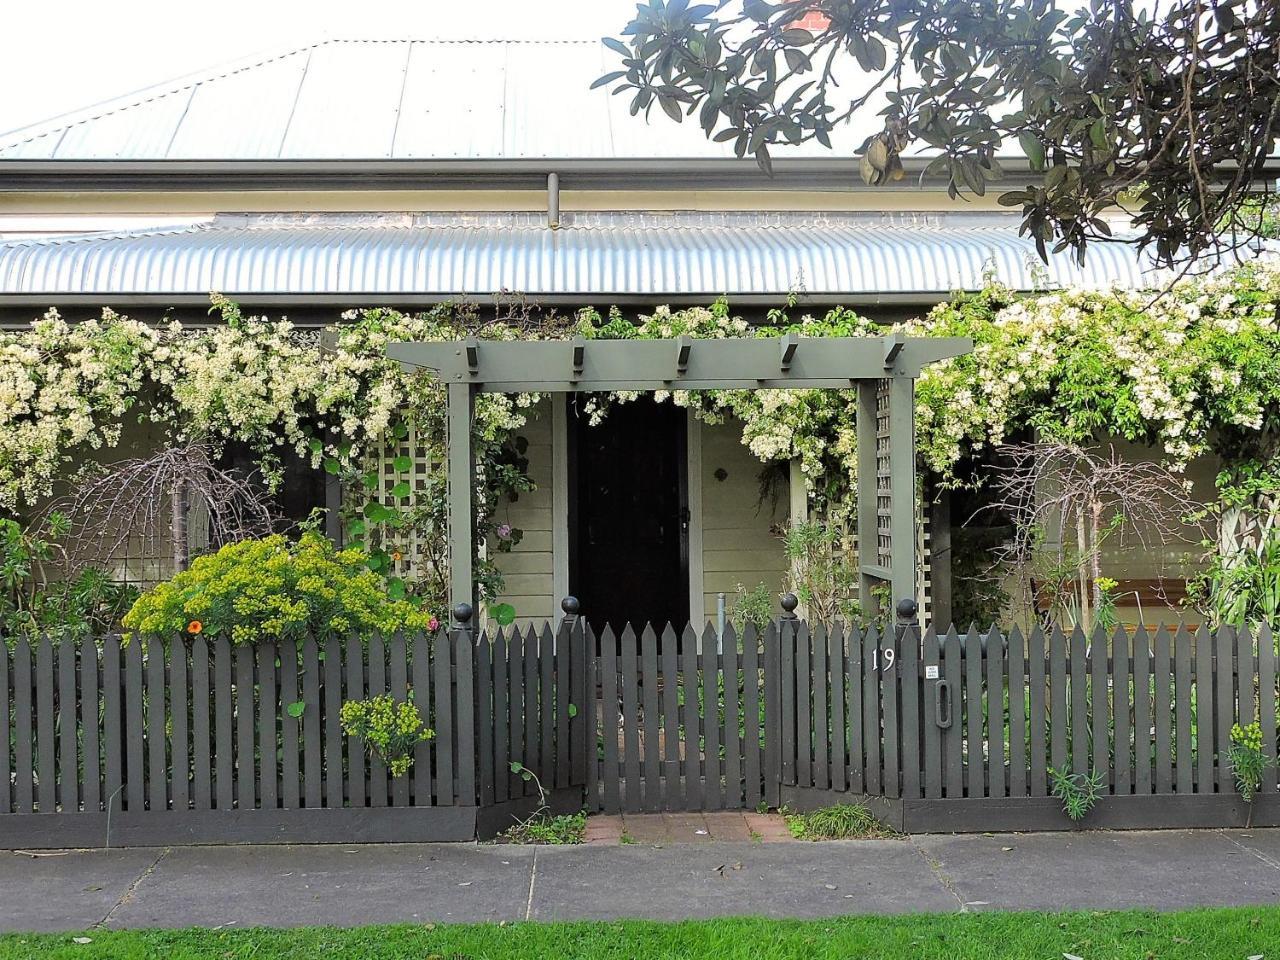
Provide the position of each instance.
(628, 515)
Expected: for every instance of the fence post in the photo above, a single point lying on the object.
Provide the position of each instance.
(908, 671)
(463, 736)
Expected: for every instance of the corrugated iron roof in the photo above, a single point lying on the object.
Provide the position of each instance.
(590, 255)
(382, 99)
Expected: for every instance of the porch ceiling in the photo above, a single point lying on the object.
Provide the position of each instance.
(680, 256)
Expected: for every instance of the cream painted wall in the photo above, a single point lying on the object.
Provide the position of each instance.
(527, 569)
(739, 546)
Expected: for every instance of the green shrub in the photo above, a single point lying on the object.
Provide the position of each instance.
(1247, 760)
(1077, 791)
(563, 830)
(389, 730)
(274, 589)
(841, 821)
(86, 605)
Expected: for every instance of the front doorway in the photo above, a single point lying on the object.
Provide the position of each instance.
(628, 514)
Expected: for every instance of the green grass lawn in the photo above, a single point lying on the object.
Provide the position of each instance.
(1231, 934)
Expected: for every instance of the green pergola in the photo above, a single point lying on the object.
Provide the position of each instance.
(882, 369)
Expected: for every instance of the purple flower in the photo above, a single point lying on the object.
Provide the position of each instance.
(504, 531)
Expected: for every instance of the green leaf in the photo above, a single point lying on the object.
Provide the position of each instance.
(1033, 148)
(516, 766)
(332, 466)
(403, 464)
(401, 489)
(503, 613)
(573, 710)
(296, 709)
(396, 589)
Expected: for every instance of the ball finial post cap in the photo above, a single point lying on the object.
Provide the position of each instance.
(907, 609)
(462, 613)
(789, 602)
(570, 606)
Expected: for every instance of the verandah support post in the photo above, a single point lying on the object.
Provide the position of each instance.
(461, 492)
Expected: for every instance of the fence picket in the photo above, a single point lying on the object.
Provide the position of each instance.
(709, 669)
(201, 735)
(772, 715)
(1267, 704)
(839, 725)
(179, 712)
(996, 779)
(609, 712)
(751, 699)
(246, 774)
(424, 750)
(23, 713)
(1142, 729)
(533, 712)
(652, 744)
(1058, 718)
(1123, 734)
(1204, 711)
(391, 790)
(46, 728)
(853, 691)
(1162, 710)
(68, 727)
(546, 690)
(157, 758)
(689, 735)
(931, 709)
(1225, 700)
(631, 800)
(975, 771)
(290, 783)
(1099, 697)
(501, 717)
(1245, 671)
(357, 786)
(1018, 769)
(871, 729)
(269, 727)
(889, 672)
(516, 645)
(953, 734)
(332, 720)
(379, 785)
(1183, 721)
(673, 797)
(1078, 690)
(731, 732)
(135, 770)
(564, 695)
(321, 727)
(1037, 718)
(91, 721)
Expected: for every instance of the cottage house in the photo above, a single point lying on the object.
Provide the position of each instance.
(349, 174)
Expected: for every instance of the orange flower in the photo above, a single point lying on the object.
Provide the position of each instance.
(396, 555)
(195, 626)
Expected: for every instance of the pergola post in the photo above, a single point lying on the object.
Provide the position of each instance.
(868, 495)
(462, 478)
(902, 489)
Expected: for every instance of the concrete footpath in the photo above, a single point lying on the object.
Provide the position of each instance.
(349, 885)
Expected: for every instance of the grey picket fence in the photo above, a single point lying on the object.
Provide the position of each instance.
(200, 741)
(208, 742)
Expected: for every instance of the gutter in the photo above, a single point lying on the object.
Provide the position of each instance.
(837, 174)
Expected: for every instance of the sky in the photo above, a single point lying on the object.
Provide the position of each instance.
(61, 55)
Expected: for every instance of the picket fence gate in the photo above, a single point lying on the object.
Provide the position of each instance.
(204, 742)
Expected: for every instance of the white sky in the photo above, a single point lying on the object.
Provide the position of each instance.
(60, 55)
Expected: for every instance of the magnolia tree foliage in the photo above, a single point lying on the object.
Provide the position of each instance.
(1174, 105)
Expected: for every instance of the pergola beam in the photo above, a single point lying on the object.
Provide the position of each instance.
(790, 362)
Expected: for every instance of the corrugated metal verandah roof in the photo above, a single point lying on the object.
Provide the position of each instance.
(591, 255)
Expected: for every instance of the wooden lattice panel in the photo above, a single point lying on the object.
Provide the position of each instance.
(422, 466)
(884, 495)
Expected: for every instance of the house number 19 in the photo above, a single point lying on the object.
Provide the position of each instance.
(888, 659)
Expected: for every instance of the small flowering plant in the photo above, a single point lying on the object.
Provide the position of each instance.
(1247, 760)
(389, 730)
